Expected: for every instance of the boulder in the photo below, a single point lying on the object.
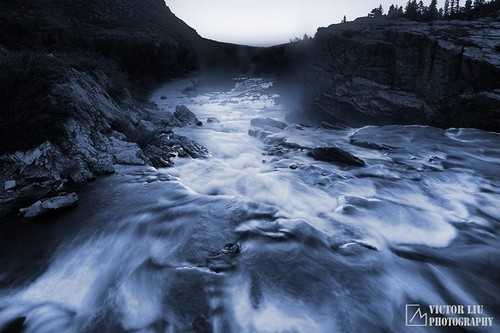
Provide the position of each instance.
(45, 206)
(267, 123)
(336, 155)
(9, 184)
(165, 146)
(185, 117)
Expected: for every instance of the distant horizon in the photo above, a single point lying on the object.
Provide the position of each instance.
(268, 22)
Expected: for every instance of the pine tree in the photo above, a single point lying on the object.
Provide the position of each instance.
(421, 10)
(452, 7)
(391, 12)
(377, 12)
(446, 10)
(433, 10)
(468, 6)
(457, 10)
(411, 11)
(344, 20)
(400, 11)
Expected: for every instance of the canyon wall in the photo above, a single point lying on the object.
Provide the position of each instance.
(381, 71)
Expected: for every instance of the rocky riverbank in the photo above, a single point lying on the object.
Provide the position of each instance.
(74, 84)
(383, 71)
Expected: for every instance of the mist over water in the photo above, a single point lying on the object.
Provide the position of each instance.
(259, 237)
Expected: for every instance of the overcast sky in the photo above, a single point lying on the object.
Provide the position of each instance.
(265, 22)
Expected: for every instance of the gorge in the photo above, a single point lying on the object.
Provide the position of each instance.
(155, 181)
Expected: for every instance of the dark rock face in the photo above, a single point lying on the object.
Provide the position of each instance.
(185, 117)
(370, 71)
(72, 90)
(336, 155)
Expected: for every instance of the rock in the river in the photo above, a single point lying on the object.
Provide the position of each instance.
(9, 184)
(185, 117)
(212, 120)
(267, 123)
(188, 148)
(335, 155)
(166, 145)
(49, 205)
(225, 259)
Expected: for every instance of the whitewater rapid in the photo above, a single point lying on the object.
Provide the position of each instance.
(259, 237)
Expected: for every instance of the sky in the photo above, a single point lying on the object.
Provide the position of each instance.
(267, 22)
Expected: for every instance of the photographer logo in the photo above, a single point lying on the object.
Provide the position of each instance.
(415, 316)
(445, 315)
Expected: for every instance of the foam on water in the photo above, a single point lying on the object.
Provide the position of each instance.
(322, 247)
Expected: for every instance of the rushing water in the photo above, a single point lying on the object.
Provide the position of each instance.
(319, 247)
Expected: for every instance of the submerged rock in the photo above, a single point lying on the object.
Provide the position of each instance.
(336, 126)
(267, 123)
(368, 144)
(212, 120)
(225, 259)
(335, 155)
(44, 206)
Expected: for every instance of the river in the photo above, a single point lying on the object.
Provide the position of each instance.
(260, 237)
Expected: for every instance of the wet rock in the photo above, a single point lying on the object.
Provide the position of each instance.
(165, 146)
(212, 120)
(9, 184)
(126, 152)
(44, 206)
(336, 126)
(335, 155)
(199, 123)
(163, 97)
(103, 165)
(15, 325)
(159, 158)
(188, 148)
(184, 116)
(225, 259)
(259, 134)
(267, 123)
(369, 145)
(293, 166)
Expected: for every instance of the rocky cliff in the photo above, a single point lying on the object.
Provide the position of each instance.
(73, 79)
(380, 71)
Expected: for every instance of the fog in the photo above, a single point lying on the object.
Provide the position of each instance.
(267, 22)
